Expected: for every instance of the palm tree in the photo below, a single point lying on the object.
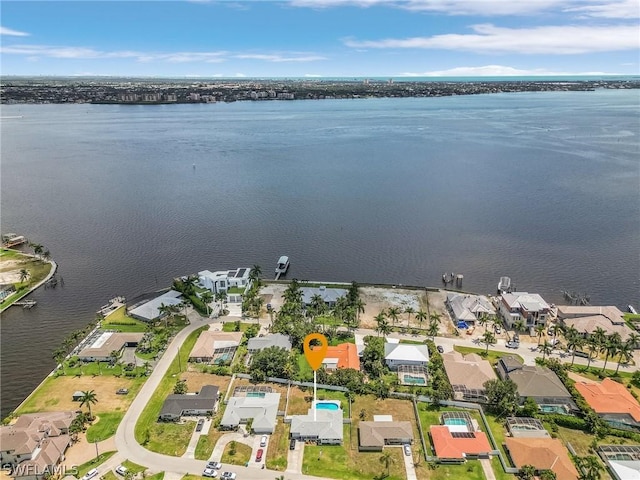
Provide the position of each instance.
(593, 346)
(206, 297)
(393, 314)
(546, 348)
(554, 329)
(436, 317)
(432, 331)
(146, 366)
(482, 321)
(574, 342)
(387, 460)
(359, 305)
(379, 319)
(421, 316)
(611, 347)
(409, 310)
(488, 338)
(255, 272)
(547, 475)
(24, 274)
(527, 472)
(590, 467)
(88, 398)
(383, 327)
(221, 297)
(625, 350)
(518, 325)
(540, 331)
(600, 336)
(165, 311)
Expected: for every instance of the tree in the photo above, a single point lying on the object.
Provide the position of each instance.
(24, 275)
(539, 332)
(393, 314)
(206, 297)
(380, 319)
(373, 357)
(546, 348)
(625, 350)
(363, 415)
(435, 317)
(611, 347)
(270, 362)
(518, 325)
(502, 396)
(88, 398)
(255, 272)
(529, 408)
(488, 338)
(387, 460)
(554, 329)
(165, 312)
(421, 316)
(593, 347)
(432, 331)
(527, 472)
(547, 475)
(409, 310)
(180, 387)
(575, 341)
(590, 467)
(482, 321)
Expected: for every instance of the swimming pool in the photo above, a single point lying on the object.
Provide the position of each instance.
(327, 406)
(255, 394)
(411, 379)
(455, 421)
(554, 409)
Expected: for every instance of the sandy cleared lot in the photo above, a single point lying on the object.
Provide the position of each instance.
(56, 393)
(10, 271)
(196, 380)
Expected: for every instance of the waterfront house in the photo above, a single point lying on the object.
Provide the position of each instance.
(193, 404)
(215, 347)
(373, 436)
(396, 354)
(344, 355)
(279, 340)
(325, 429)
(539, 383)
(103, 344)
(467, 375)
(586, 319)
(224, 280)
(613, 402)
(543, 454)
(468, 308)
(35, 443)
(149, 311)
(260, 407)
(530, 308)
(329, 295)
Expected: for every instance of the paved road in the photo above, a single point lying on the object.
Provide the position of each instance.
(129, 448)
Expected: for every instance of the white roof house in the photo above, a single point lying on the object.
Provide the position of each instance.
(150, 311)
(329, 295)
(405, 354)
(326, 429)
(256, 344)
(222, 280)
(469, 308)
(528, 307)
(263, 410)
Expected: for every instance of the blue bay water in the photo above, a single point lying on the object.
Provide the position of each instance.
(543, 187)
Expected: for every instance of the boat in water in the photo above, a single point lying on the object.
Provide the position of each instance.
(504, 285)
(12, 240)
(282, 266)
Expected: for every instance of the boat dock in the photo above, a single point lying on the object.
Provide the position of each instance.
(26, 303)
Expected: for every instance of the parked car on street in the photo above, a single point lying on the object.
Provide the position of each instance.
(121, 470)
(228, 476)
(209, 472)
(90, 474)
(214, 465)
(512, 344)
(440, 349)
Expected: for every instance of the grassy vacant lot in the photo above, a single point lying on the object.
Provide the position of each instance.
(196, 380)
(206, 444)
(85, 467)
(492, 356)
(241, 456)
(55, 394)
(105, 427)
(278, 447)
(146, 430)
(170, 438)
(339, 461)
(119, 320)
(231, 326)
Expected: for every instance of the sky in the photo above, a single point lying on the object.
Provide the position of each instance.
(320, 38)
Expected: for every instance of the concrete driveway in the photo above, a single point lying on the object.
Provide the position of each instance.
(227, 438)
(408, 465)
(256, 447)
(294, 459)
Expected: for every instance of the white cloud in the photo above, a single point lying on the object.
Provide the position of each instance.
(553, 40)
(279, 58)
(13, 33)
(494, 71)
(312, 75)
(240, 75)
(612, 9)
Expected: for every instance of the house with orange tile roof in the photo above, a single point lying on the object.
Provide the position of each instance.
(543, 454)
(344, 355)
(613, 402)
(453, 446)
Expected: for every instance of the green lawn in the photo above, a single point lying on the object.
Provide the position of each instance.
(278, 447)
(170, 438)
(231, 326)
(119, 320)
(338, 461)
(498, 431)
(100, 368)
(105, 427)
(144, 433)
(38, 270)
(241, 456)
(472, 470)
(235, 290)
(492, 356)
(85, 467)
(499, 472)
(109, 476)
(157, 476)
(133, 467)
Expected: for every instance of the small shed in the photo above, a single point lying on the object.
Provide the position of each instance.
(77, 396)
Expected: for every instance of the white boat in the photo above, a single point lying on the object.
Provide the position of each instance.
(504, 285)
(631, 309)
(283, 266)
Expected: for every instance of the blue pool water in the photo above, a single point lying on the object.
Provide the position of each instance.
(412, 379)
(326, 406)
(455, 421)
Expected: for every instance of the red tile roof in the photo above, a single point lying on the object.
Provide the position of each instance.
(447, 446)
(542, 453)
(609, 397)
(347, 355)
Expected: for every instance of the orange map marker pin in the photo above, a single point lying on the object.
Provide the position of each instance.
(315, 355)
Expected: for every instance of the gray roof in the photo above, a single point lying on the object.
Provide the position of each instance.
(329, 295)
(263, 411)
(470, 307)
(175, 403)
(538, 382)
(150, 311)
(272, 340)
(327, 426)
(374, 434)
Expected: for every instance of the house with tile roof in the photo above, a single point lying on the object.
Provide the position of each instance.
(396, 354)
(215, 347)
(35, 443)
(543, 454)
(467, 375)
(262, 410)
(539, 383)
(587, 318)
(373, 436)
(453, 446)
(464, 307)
(528, 307)
(344, 355)
(613, 402)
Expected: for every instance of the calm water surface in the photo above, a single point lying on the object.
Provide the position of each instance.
(543, 187)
